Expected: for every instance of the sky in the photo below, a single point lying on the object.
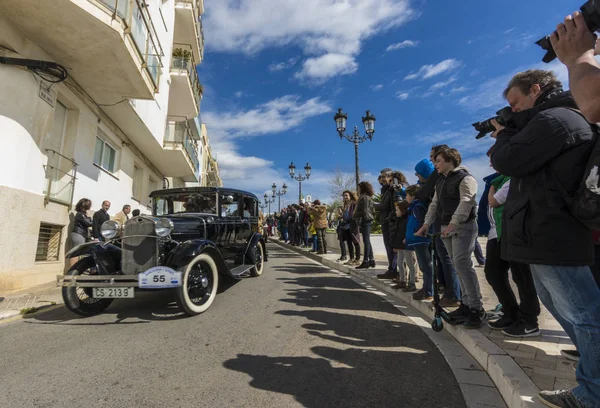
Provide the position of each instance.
(276, 71)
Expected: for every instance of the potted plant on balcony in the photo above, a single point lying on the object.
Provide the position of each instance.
(181, 58)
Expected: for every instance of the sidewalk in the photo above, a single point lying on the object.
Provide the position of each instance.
(36, 297)
(519, 367)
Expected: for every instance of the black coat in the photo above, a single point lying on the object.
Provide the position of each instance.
(545, 159)
(398, 231)
(100, 217)
(386, 206)
(81, 224)
(427, 190)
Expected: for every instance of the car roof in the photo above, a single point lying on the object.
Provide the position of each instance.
(188, 190)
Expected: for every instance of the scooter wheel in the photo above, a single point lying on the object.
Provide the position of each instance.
(498, 308)
(437, 325)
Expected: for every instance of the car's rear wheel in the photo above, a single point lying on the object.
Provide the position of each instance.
(199, 286)
(80, 300)
(259, 260)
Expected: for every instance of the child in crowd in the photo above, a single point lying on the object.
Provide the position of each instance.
(313, 233)
(405, 256)
(416, 217)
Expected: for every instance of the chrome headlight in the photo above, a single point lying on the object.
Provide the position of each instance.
(163, 227)
(110, 229)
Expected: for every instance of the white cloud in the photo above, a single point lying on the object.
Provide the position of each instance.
(254, 173)
(442, 84)
(429, 71)
(459, 89)
(402, 95)
(319, 27)
(377, 87)
(320, 69)
(283, 65)
(239, 94)
(403, 44)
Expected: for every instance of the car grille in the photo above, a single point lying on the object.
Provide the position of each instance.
(139, 252)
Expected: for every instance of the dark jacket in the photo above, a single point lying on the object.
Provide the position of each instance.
(398, 231)
(364, 209)
(428, 188)
(449, 200)
(386, 206)
(100, 217)
(483, 223)
(545, 157)
(81, 224)
(416, 218)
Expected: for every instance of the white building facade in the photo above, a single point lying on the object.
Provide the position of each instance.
(124, 122)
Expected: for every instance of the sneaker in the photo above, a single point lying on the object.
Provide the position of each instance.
(461, 314)
(559, 399)
(410, 288)
(400, 285)
(417, 293)
(475, 319)
(422, 296)
(388, 275)
(522, 329)
(449, 302)
(372, 263)
(364, 265)
(343, 258)
(503, 323)
(572, 355)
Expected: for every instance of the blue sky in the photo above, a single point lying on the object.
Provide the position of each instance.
(275, 72)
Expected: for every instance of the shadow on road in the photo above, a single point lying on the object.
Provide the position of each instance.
(147, 306)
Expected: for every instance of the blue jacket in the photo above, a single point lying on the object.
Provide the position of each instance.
(483, 221)
(416, 217)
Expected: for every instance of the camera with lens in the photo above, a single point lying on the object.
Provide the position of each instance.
(503, 117)
(591, 14)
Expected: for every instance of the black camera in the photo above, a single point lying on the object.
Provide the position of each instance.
(591, 14)
(503, 117)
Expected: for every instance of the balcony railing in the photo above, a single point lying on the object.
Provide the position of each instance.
(200, 38)
(183, 60)
(134, 14)
(61, 173)
(179, 134)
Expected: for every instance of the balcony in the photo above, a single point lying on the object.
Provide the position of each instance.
(61, 173)
(185, 92)
(181, 151)
(188, 26)
(110, 47)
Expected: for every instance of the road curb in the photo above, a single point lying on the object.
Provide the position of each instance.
(515, 386)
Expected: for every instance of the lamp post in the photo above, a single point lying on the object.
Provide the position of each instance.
(279, 193)
(356, 138)
(300, 178)
(263, 207)
(269, 201)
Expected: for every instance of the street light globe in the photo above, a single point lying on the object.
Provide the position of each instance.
(274, 189)
(369, 122)
(340, 121)
(307, 169)
(292, 169)
(284, 188)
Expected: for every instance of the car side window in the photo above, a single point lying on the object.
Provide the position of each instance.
(230, 204)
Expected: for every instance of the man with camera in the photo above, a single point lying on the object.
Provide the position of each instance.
(544, 148)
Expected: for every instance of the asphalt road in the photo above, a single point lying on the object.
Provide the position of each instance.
(299, 335)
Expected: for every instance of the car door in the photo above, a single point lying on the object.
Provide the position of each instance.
(231, 207)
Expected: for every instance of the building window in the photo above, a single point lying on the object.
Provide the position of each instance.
(48, 245)
(137, 182)
(104, 153)
(152, 186)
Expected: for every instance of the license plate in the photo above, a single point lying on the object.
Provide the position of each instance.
(113, 293)
(159, 277)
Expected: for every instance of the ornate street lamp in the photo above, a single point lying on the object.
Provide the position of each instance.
(300, 177)
(269, 201)
(356, 138)
(279, 193)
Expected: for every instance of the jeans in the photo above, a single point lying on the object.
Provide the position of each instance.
(496, 273)
(391, 255)
(343, 248)
(314, 242)
(596, 267)
(285, 233)
(479, 253)
(353, 245)
(424, 260)
(572, 297)
(460, 248)
(448, 276)
(407, 256)
(304, 234)
(365, 230)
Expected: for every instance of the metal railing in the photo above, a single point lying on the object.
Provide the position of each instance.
(181, 63)
(60, 184)
(179, 133)
(200, 37)
(135, 16)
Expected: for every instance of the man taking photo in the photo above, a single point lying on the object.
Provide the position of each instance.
(545, 152)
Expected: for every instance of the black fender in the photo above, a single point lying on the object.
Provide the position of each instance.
(185, 252)
(106, 256)
(252, 241)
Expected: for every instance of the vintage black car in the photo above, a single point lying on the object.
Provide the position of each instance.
(194, 237)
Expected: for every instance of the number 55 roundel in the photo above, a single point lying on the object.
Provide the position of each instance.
(159, 277)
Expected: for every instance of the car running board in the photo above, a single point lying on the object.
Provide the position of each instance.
(241, 270)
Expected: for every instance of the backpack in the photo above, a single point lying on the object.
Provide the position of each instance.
(585, 204)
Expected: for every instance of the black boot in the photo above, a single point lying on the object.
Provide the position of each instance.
(475, 319)
(372, 263)
(363, 265)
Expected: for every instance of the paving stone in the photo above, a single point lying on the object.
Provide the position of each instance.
(562, 384)
(520, 354)
(564, 374)
(543, 382)
(475, 395)
(474, 377)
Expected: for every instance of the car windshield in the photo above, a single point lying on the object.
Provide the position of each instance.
(186, 203)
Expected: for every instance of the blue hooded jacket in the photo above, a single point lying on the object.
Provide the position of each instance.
(416, 217)
(425, 168)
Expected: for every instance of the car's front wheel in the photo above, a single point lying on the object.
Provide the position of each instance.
(259, 260)
(80, 300)
(199, 286)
